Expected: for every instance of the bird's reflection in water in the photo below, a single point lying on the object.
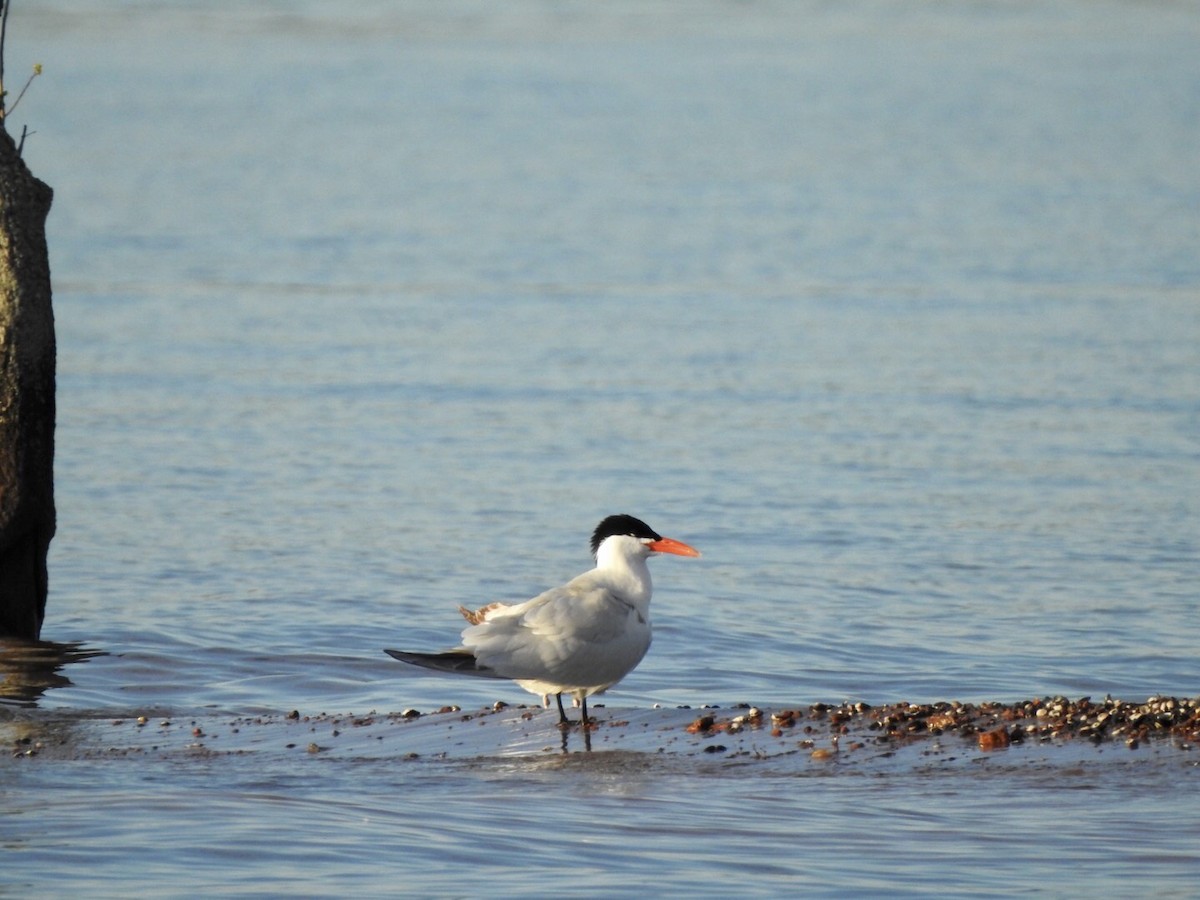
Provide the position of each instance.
(568, 730)
(28, 669)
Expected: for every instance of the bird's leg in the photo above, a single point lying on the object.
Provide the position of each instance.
(562, 714)
(583, 721)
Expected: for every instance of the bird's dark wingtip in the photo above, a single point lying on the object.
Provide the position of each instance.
(460, 662)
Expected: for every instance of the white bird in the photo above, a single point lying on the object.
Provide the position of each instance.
(578, 639)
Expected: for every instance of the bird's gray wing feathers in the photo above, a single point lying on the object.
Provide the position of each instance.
(569, 633)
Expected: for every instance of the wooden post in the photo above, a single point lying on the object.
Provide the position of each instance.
(27, 359)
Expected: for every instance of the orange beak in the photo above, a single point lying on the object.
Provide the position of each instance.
(670, 545)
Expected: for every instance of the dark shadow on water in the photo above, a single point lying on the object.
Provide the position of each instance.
(28, 669)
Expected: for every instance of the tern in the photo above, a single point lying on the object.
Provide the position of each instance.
(578, 639)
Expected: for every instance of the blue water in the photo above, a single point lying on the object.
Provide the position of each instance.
(367, 310)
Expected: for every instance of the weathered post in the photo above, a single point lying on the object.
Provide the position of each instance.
(27, 359)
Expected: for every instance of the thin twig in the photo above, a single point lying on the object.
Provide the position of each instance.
(37, 70)
(3, 32)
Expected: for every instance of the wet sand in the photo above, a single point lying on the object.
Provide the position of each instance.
(819, 736)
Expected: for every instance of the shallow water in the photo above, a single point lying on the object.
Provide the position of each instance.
(366, 312)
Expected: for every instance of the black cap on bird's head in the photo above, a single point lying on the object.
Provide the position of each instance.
(617, 525)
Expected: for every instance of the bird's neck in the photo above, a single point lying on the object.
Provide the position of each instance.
(627, 576)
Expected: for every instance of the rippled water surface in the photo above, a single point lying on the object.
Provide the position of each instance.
(366, 310)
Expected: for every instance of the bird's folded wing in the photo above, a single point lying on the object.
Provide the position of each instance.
(526, 640)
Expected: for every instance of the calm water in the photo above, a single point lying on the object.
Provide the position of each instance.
(369, 309)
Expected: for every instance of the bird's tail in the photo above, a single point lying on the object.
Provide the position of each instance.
(458, 662)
